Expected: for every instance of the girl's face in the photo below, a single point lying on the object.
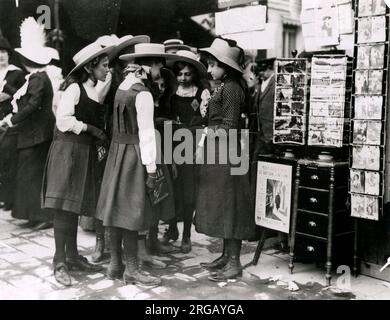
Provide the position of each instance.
(4, 57)
(217, 73)
(185, 77)
(100, 71)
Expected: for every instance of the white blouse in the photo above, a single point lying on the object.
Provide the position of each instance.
(144, 105)
(65, 119)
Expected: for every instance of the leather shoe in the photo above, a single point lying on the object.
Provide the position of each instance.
(186, 245)
(151, 262)
(115, 272)
(170, 234)
(81, 264)
(61, 274)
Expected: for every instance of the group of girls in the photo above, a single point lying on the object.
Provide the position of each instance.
(141, 98)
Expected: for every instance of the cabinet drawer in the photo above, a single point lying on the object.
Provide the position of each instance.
(312, 224)
(313, 200)
(315, 177)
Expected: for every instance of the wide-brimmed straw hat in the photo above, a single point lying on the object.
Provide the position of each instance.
(221, 50)
(190, 58)
(144, 50)
(87, 54)
(175, 44)
(119, 44)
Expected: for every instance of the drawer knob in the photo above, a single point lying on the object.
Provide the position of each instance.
(314, 177)
(310, 249)
(313, 200)
(312, 224)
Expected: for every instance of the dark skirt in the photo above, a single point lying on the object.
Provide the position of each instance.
(123, 201)
(71, 179)
(30, 169)
(185, 188)
(224, 206)
(8, 167)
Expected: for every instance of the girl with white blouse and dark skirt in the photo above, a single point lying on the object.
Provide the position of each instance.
(70, 186)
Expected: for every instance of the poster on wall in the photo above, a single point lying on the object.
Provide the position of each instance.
(273, 196)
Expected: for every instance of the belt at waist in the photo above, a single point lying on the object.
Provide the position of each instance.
(125, 138)
(82, 138)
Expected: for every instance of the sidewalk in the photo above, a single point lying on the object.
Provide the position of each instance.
(25, 273)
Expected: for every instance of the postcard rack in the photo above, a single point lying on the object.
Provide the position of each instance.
(330, 101)
(369, 112)
(291, 102)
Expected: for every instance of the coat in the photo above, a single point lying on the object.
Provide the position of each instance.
(35, 118)
(264, 101)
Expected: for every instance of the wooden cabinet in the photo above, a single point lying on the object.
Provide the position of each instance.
(320, 214)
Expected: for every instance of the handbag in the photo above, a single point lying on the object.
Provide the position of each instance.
(160, 190)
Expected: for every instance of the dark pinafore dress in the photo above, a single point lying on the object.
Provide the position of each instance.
(71, 176)
(123, 202)
(187, 111)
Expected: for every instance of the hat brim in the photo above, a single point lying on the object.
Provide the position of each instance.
(85, 61)
(132, 56)
(131, 42)
(177, 47)
(196, 64)
(217, 55)
(36, 56)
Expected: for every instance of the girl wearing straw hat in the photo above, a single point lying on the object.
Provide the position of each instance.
(123, 204)
(222, 206)
(32, 114)
(11, 79)
(71, 178)
(188, 108)
(122, 45)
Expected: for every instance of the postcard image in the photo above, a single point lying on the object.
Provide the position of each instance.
(357, 205)
(374, 132)
(357, 181)
(378, 29)
(359, 131)
(375, 109)
(363, 57)
(365, 30)
(378, 7)
(283, 80)
(371, 208)
(361, 82)
(377, 56)
(375, 79)
(372, 157)
(372, 183)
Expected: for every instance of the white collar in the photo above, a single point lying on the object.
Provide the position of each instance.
(129, 81)
(187, 92)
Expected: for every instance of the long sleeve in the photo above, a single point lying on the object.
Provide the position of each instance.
(232, 99)
(145, 108)
(65, 119)
(15, 83)
(35, 90)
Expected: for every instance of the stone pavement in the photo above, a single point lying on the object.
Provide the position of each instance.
(25, 273)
